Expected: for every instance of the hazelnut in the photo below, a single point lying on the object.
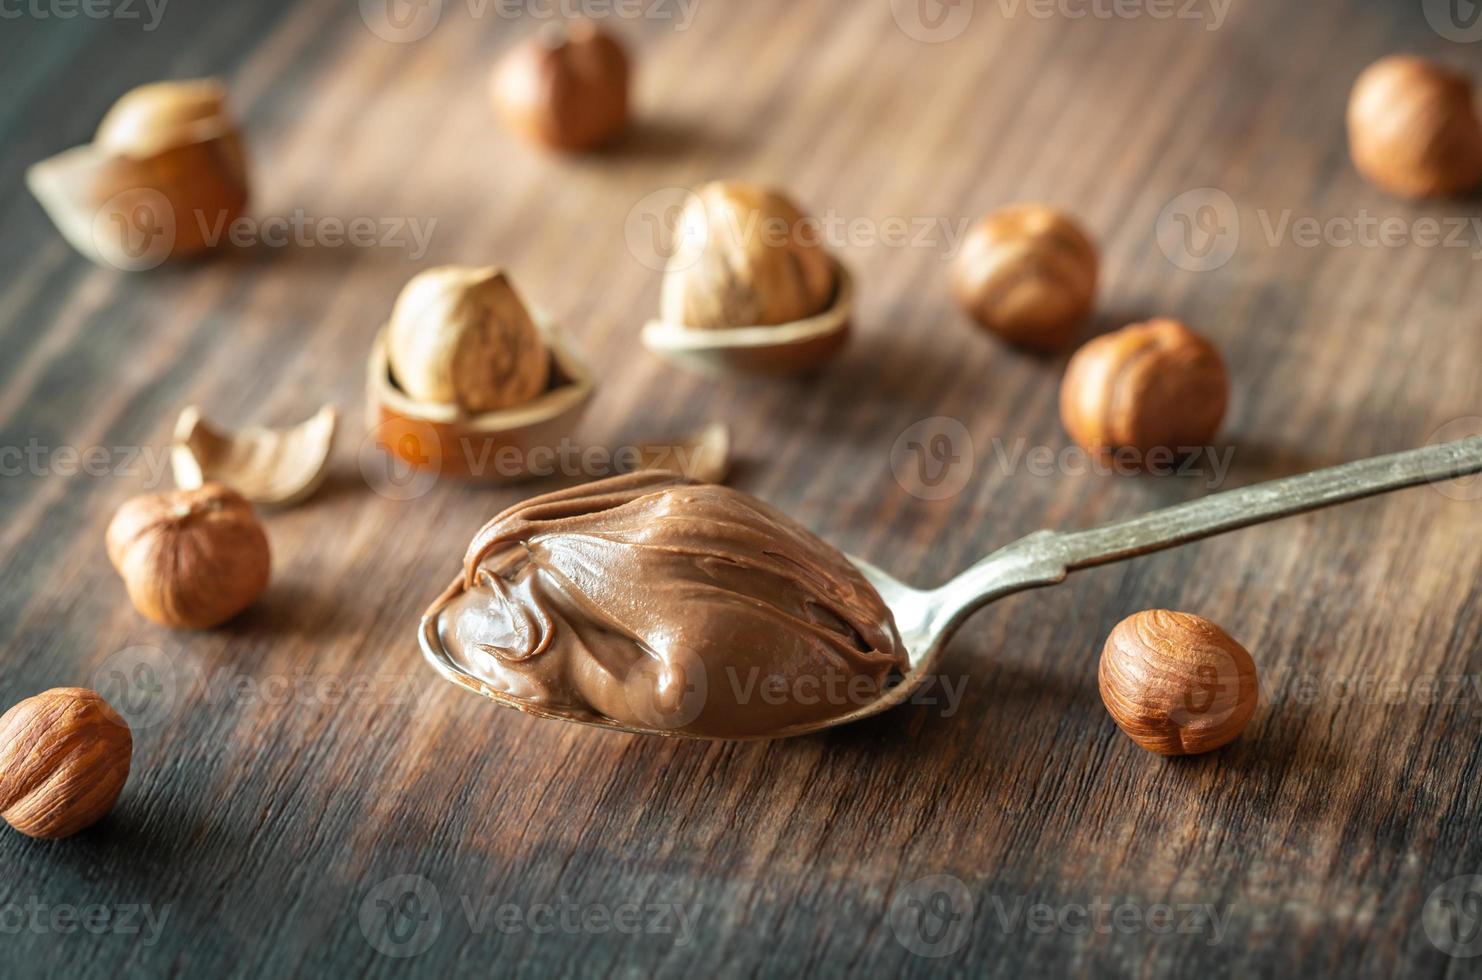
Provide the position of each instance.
(1150, 386)
(567, 87)
(64, 758)
(463, 336)
(747, 257)
(1028, 274)
(155, 117)
(1176, 683)
(1413, 129)
(191, 558)
(164, 174)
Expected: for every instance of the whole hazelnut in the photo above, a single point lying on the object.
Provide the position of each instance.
(567, 87)
(464, 337)
(64, 758)
(1176, 683)
(1413, 129)
(1028, 274)
(747, 256)
(1150, 386)
(191, 558)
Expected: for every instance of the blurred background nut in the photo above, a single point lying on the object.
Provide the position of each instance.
(747, 256)
(1150, 386)
(64, 758)
(165, 175)
(566, 88)
(462, 336)
(190, 558)
(1413, 128)
(1176, 683)
(1028, 274)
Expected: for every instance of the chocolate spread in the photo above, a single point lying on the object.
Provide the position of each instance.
(662, 604)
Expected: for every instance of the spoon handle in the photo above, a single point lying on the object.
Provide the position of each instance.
(1269, 501)
(1047, 557)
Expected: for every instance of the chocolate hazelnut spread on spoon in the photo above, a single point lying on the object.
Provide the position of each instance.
(661, 604)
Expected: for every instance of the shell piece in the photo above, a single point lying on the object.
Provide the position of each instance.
(272, 467)
(704, 456)
(788, 348)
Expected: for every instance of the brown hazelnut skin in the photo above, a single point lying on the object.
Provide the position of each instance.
(1176, 683)
(565, 88)
(190, 558)
(1413, 128)
(1150, 386)
(64, 758)
(748, 258)
(1028, 274)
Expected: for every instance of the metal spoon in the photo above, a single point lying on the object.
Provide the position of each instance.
(928, 618)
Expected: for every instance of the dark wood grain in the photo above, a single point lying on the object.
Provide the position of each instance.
(264, 823)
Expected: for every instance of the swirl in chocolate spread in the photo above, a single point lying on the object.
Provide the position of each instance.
(662, 604)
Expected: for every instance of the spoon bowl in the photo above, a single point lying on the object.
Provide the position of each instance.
(927, 619)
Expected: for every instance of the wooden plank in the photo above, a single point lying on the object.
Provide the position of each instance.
(266, 811)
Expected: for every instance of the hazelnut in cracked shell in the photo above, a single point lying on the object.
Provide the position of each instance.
(667, 605)
(747, 257)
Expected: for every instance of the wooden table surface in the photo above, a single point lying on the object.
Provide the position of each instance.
(308, 798)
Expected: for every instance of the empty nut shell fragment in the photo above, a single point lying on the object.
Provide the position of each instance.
(1155, 386)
